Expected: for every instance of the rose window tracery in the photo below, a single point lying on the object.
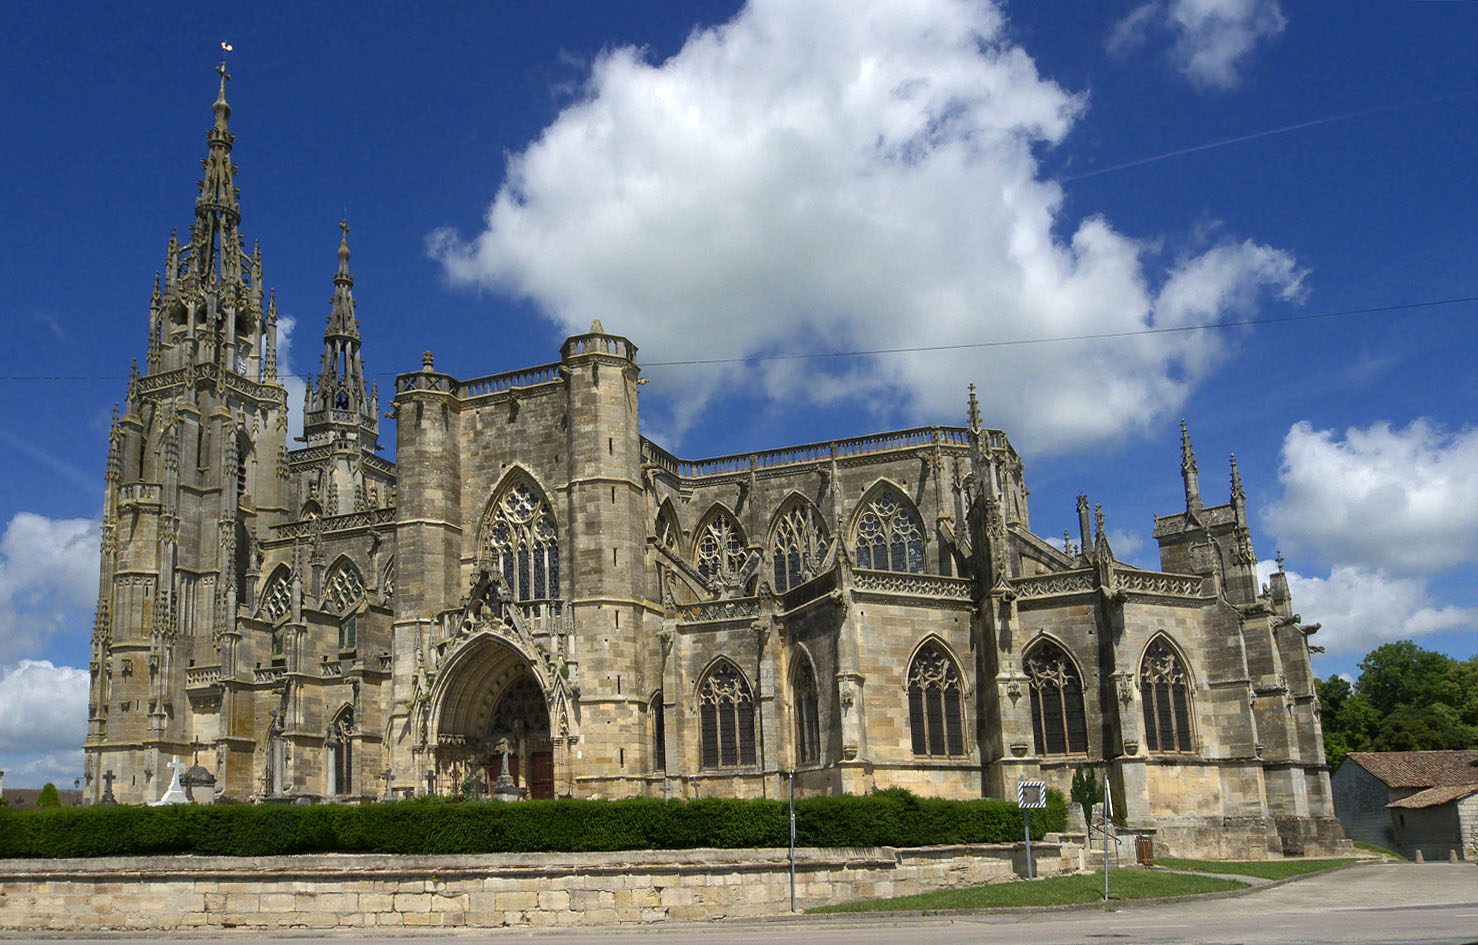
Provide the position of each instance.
(521, 538)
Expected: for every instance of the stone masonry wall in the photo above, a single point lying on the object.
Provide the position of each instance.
(630, 888)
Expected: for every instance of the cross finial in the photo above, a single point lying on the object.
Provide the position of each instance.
(344, 225)
(1279, 558)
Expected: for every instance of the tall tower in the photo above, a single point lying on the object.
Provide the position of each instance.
(341, 424)
(195, 479)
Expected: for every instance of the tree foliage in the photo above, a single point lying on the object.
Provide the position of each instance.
(49, 796)
(1405, 699)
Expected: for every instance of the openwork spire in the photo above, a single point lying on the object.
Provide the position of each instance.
(1238, 494)
(341, 317)
(340, 402)
(215, 244)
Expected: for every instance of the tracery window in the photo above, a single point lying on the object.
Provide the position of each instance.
(800, 545)
(1059, 726)
(344, 587)
(277, 599)
(935, 703)
(520, 535)
(720, 547)
(522, 706)
(807, 723)
(726, 718)
(890, 535)
(1166, 696)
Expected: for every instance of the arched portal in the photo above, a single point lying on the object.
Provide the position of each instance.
(489, 695)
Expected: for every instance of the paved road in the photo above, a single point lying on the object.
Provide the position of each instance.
(1388, 903)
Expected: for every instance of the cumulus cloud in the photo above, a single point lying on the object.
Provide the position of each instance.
(61, 768)
(817, 175)
(1209, 39)
(1360, 608)
(48, 579)
(45, 707)
(1402, 500)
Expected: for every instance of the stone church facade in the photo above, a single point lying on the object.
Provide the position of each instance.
(534, 583)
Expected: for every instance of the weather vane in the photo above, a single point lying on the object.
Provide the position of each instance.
(225, 48)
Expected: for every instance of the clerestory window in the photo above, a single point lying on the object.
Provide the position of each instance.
(799, 547)
(521, 537)
(890, 535)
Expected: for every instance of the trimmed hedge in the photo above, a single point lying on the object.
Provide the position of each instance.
(436, 826)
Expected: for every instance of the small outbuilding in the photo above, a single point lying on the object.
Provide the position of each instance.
(1410, 801)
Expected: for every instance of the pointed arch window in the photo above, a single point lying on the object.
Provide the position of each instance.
(726, 718)
(807, 722)
(1165, 692)
(1059, 726)
(936, 715)
(720, 547)
(659, 733)
(521, 537)
(277, 598)
(666, 530)
(344, 587)
(890, 535)
(341, 752)
(799, 546)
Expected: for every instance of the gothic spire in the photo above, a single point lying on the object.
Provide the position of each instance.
(341, 316)
(341, 388)
(214, 242)
(1238, 495)
(1188, 471)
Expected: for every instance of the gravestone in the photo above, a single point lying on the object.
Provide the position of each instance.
(175, 793)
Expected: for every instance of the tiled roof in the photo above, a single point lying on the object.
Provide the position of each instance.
(1419, 769)
(1432, 797)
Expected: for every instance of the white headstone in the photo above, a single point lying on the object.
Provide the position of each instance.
(175, 793)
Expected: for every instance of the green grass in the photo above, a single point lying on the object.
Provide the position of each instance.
(1266, 869)
(1373, 848)
(1052, 891)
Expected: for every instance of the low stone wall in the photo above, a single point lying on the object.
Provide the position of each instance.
(359, 891)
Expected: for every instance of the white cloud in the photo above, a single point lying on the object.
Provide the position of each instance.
(61, 768)
(820, 175)
(1402, 500)
(1360, 608)
(48, 579)
(45, 707)
(1209, 39)
(294, 383)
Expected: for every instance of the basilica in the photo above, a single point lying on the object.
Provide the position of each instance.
(535, 600)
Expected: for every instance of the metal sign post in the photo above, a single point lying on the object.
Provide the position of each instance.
(792, 840)
(1030, 795)
(1108, 817)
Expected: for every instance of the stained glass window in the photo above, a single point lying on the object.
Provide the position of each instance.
(1166, 698)
(799, 547)
(1059, 726)
(520, 535)
(935, 704)
(720, 547)
(726, 718)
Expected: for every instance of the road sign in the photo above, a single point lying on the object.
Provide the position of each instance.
(1031, 794)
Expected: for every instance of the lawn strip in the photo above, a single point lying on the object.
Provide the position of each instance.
(1264, 869)
(1052, 891)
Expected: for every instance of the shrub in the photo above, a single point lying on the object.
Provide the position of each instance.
(49, 796)
(437, 826)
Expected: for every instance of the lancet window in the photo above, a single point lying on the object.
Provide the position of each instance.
(720, 547)
(1059, 726)
(800, 545)
(1164, 690)
(890, 535)
(521, 537)
(936, 715)
(659, 733)
(341, 751)
(726, 718)
(344, 587)
(807, 722)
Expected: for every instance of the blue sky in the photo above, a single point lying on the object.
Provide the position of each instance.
(718, 180)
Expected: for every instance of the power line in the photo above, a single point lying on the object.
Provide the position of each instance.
(869, 352)
(1062, 338)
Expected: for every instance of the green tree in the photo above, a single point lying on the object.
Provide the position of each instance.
(1086, 791)
(1402, 673)
(49, 796)
(1429, 727)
